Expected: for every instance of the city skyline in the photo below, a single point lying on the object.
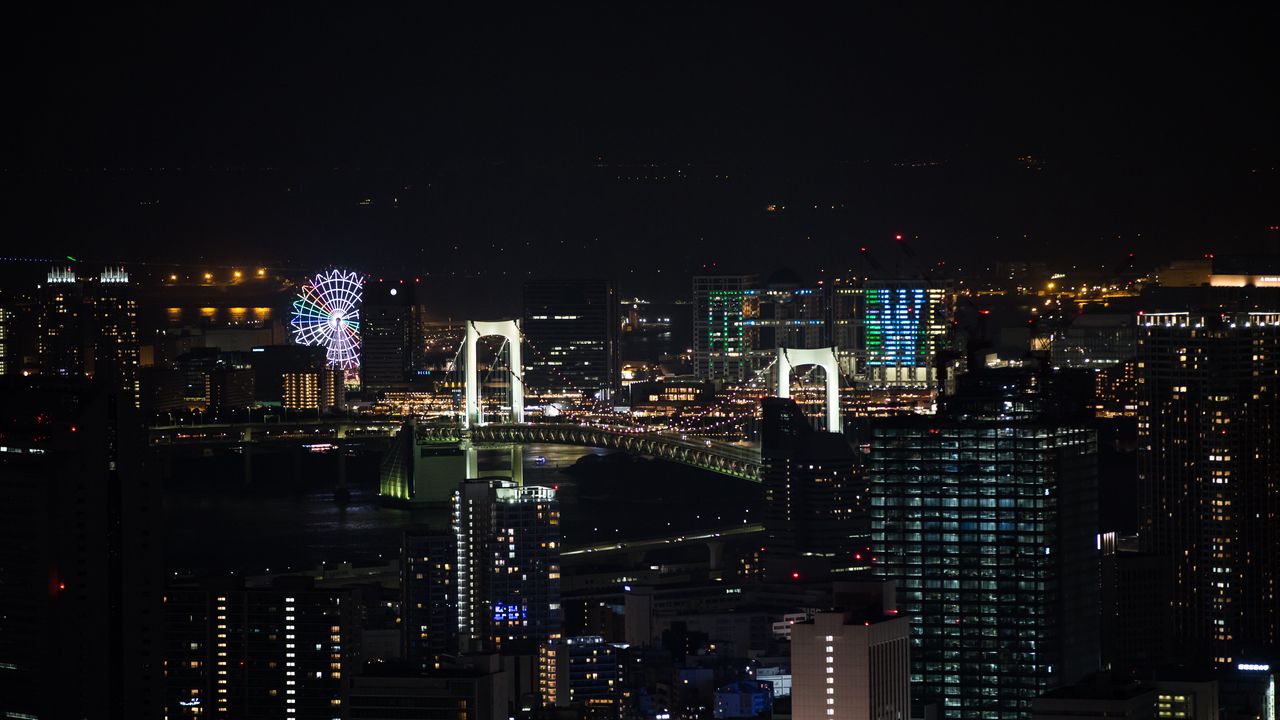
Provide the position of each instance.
(640, 362)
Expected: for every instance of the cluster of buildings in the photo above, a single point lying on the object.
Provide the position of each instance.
(887, 332)
(963, 563)
(173, 360)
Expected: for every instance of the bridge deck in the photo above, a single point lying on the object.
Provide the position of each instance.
(718, 456)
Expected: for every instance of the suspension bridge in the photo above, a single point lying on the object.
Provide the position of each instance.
(419, 449)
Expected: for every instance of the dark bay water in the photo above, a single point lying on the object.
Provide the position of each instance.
(215, 524)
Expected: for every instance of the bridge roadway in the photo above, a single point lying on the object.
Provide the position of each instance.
(633, 546)
(717, 456)
(721, 457)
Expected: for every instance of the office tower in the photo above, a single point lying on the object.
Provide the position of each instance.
(294, 377)
(1137, 595)
(1094, 340)
(1209, 474)
(228, 385)
(744, 699)
(851, 666)
(477, 688)
(429, 613)
(390, 334)
(1115, 389)
(1101, 695)
(584, 673)
(571, 330)
(1193, 698)
(276, 652)
(508, 567)
(63, 324)
(905, 324)
(784, 314)
(846, 301)
(986, 516)
(80, 566)
(720, 345)
(814, 488)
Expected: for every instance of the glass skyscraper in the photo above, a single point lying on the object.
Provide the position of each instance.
(987, 521)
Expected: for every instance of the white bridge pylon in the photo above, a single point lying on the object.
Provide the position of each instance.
(476, 329)
(825, 358)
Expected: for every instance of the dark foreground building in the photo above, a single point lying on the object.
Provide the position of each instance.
(80, 577)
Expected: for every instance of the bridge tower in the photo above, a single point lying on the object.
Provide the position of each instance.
(476, 329)
(826, 358)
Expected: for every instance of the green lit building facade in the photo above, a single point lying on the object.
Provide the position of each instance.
(721, 348)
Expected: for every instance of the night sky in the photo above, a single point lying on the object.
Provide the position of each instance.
(640, 140)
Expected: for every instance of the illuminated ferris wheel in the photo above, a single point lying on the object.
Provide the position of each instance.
(327, 313)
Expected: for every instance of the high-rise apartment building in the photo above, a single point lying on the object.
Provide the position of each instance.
(508, 563)
(571, 330)
(115, 330)
(851, 666)
(429, 612)
(80, 568)
(721, 347)
(525, 585)
(473, 527)
(63, 332)
(584, 673)
(986, 516)
(1209, 474)
(7, 359)
(277, 652)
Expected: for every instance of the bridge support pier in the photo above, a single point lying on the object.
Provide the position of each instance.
(826, 358)
(517, 465)
(715, 559)
(510, 331)
(472, 460)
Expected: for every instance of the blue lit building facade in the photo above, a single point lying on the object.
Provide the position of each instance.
(904, 324)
